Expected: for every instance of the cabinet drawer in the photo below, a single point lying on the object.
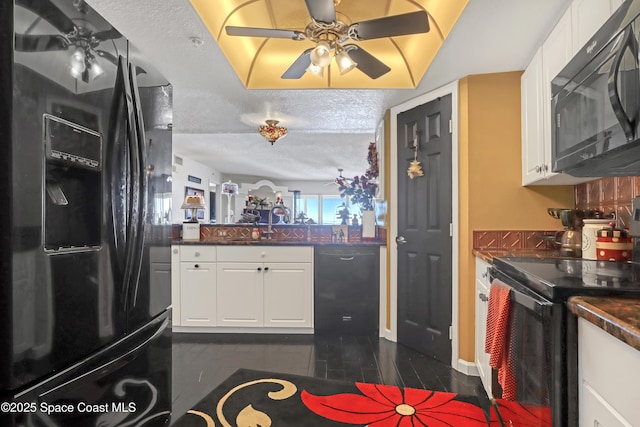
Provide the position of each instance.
(198, 253)
(265, 254)
(481, 270)
(594, 411)
(609, 366)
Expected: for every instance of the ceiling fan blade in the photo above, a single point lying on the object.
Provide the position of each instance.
(106, 55)
(111, 34)
(322, 10)
(40, 43)
(367, 63)
(299, 67)
(392, 26)
(265, 32)
(50, 13)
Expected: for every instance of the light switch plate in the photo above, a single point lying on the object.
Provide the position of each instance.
(634, 226)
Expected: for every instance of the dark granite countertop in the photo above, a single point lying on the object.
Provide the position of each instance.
(618, 316)
(266, 242)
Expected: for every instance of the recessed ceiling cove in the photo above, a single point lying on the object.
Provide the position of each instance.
(316, 44)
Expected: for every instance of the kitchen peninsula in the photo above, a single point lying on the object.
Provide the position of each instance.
(231, 281)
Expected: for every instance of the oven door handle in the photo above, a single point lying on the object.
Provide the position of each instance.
(539, 307)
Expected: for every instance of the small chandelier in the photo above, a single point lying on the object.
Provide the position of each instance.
(271, 131)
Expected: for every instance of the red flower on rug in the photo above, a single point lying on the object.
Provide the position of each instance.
(522, 415)
(389, 406)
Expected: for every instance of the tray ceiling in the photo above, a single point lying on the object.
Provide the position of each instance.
(259, 62)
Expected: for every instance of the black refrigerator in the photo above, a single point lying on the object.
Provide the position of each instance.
(85, 181)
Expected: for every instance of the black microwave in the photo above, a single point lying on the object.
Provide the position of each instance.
(596, 102)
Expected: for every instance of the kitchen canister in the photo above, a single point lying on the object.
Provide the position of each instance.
(589, 236)
(613, 244)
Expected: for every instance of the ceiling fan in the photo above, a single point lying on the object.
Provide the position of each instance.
(75, 33)
(339, 180)
(331, 34)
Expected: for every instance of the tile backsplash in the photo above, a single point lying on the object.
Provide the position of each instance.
(513, 239)
(611, 194)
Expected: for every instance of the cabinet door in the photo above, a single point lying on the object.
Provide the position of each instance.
(587, 17)
(615, 4)
(197, 294)
(176, 314)
(240, 294)
(532, 141)
(288, 295)
(482, 305)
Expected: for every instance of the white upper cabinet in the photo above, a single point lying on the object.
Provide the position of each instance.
(587, 16)
(581, 20)
(532, 147)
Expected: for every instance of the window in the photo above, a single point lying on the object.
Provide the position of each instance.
(330, 205)
(310, 206)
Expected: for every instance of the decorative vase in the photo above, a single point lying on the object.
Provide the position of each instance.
(368, 224)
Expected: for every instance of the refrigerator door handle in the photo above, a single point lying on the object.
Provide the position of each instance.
(125, 193)
(141, 184)
(118, 168)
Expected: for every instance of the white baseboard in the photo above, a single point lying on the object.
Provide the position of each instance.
(467, 368)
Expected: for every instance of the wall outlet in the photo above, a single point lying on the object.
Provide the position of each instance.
(634, 226)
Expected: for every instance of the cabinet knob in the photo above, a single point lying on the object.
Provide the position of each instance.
(262, 254)
(259, 268)
(196, 266)
(538, 169)
(484, 275)
(266, 269)
(175, 251)
(483, 297)
(545, 167)
(196, 254)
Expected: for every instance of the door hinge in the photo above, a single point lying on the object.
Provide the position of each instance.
(450, 332)
(450, 229)
(450, 126)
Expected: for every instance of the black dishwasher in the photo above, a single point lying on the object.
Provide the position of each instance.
(346, 290)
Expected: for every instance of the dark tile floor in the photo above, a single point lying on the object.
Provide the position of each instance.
(202, 361)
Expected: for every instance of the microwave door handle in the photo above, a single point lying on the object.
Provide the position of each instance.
(627, 123)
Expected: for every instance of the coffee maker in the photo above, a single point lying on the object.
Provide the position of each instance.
(570, 239)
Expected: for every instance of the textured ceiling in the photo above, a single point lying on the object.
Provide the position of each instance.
(259, 62)
(212, 105)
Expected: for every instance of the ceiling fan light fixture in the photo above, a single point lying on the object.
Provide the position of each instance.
(315, 70)
(321, 54)
(78, 58)
(345, 63)
(271, 131)
(96, 69)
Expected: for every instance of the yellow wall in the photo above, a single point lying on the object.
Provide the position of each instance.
(491, 193)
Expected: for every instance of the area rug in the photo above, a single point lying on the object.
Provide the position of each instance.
(251, 398)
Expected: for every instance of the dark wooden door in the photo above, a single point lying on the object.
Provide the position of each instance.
(424, 230)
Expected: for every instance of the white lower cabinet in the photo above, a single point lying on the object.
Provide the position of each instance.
(265, 286)
(234, 287)
(240, 294)
(288, 295)
(609, 381)
(482, 305)
(197, 294)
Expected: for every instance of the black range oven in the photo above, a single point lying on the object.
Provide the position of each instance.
(542, 347)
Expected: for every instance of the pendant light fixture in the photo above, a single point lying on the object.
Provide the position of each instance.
(271, 131)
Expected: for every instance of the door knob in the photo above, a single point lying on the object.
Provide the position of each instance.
(400, 240)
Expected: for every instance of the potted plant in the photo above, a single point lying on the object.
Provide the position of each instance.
(362, 191)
